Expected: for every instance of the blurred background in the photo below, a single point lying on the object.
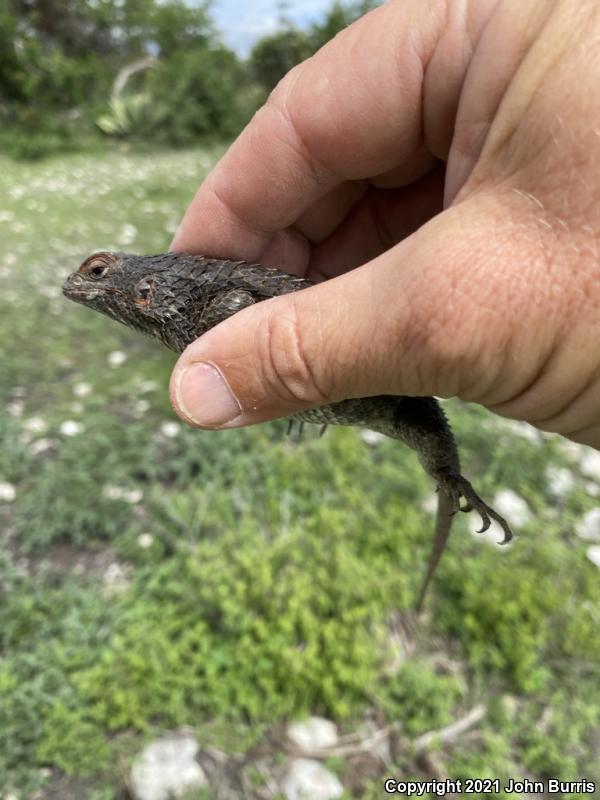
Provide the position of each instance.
(228, 615)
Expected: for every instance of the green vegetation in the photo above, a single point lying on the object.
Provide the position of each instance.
(153, 576)
(75, 75)
(275, 55)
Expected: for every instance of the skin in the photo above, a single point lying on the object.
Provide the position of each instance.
(437, 163)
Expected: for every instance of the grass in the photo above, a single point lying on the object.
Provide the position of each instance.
(153, 577)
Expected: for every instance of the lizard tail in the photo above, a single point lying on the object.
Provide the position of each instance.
(443, 524)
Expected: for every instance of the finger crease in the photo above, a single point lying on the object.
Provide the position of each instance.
(319, 173)
(242, 223)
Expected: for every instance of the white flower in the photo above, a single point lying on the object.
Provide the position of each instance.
(127, 234)
(571, 449)
(70, 427)
(430, 503)
(116, 579)
(147, 386)
(116, 358)
(525, 430)
(593, 553)
(112, 492)
(592, 488)
(588, 527)
(41, 446)
(513, 507)
(50, 292)
(372, 438)
(170, 429)
(132, 496)
(493, 536)
(34, 425)
(15, 408)
(560, 480)
(82, 389)
(590, 464)
(140, 407)
(7, 492)
(145, 540)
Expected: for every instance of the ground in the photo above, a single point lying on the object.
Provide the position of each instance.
(154, 577)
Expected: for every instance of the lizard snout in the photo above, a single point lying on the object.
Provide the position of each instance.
(76, 288)
(73, 284)
(74, 281)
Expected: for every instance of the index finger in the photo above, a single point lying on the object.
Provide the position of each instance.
(351, 111)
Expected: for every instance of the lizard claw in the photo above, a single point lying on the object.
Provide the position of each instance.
(508, 535)
(486, 524)
(455, 487)
(292, 421)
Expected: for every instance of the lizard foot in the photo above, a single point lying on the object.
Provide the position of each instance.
(455, 486)
(290, 427)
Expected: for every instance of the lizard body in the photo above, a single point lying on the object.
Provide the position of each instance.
(176, 298)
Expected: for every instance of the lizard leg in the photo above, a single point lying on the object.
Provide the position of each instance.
(422, 424)
(292, 421)
(456, 486)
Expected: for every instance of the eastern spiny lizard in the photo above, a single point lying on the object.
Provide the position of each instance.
(176, 297)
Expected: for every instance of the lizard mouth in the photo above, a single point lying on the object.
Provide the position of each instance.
(74, 288)
(77, 288)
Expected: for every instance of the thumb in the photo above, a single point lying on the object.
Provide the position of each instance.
(412, 322)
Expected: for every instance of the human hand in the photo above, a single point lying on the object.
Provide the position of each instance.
(438, 160)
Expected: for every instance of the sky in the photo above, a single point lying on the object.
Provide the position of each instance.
(242, 23)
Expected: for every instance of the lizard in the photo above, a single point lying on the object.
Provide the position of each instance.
(175, 298)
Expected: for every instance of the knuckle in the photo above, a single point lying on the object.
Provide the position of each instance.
(301, 136)
(286, 359)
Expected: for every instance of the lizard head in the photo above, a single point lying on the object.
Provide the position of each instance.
(135, 290)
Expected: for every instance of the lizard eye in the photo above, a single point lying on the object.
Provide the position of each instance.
(97, 266)
(98, 271)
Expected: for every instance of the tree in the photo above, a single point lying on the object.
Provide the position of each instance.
(59, 60)
(275, 55)
(338, 17)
